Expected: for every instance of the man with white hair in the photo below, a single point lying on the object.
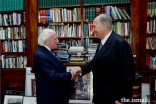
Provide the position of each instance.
(112, 66)
(52, 80)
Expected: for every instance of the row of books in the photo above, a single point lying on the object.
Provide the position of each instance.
(88, 42)
(88, 27)
(64, 30)
(122, 28)
(91, 50)
(13, 32)
(13, 61)
(151, 42)
(104, 1)
(9, 5)
(151, 9)
(118, 13)
(44, 3)
(72, 42)
(89, 13)
(70, 30)
(151, 26)
(11, 19)
(14, 46)
(150, 62)
(113, 11)
(74, 30)
(59, 15)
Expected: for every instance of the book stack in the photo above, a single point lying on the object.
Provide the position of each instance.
(61, 52)
(91, 52)
(76, 54)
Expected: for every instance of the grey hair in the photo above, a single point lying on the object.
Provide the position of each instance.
(106, 19)
(43, 37)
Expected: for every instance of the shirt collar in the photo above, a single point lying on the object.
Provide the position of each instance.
(103, 41)
(47, 48)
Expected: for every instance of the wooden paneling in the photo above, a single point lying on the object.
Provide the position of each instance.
(135, 19)
(31, 13)
(138, 28)
(142, 34)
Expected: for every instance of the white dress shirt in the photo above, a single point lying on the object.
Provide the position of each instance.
(105, 39)
(47, 48)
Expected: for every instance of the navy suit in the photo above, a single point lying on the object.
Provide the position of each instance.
(52, 80)
(113, 71)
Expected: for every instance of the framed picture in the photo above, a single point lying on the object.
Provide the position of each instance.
(29, 100)
(153, 85)
(11, 99)
(33, 84)
(81, 89)
(29, 85)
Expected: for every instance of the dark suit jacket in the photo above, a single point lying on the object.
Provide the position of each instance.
(113, 71)
(52, 80)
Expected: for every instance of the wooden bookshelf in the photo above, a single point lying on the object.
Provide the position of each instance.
(138, 36)
(14, 78)
(143, 69)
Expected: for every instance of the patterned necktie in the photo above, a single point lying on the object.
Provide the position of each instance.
(100, 46)
(55, 55)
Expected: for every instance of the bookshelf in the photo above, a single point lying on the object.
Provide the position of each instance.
(88, 13)
(147, 50)
(73, 24)
(14, 44)
(138, 23)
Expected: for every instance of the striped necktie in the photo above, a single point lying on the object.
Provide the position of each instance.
(55, 55)
(100, 46)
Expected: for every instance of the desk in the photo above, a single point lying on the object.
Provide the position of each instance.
(152, 101)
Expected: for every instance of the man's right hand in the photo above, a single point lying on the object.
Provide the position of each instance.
(75, 72)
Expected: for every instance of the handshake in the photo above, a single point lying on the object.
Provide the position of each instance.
(75, 72)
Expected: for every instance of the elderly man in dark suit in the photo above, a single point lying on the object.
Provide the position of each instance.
(52, 80)
(112, 66)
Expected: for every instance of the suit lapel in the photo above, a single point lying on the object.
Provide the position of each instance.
(50, 55)
(104, 48)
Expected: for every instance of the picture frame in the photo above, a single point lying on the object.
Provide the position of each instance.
(153, 85)
(10, 99)
(81, 88)
(28, 84)
(33, 84)
(29, 100)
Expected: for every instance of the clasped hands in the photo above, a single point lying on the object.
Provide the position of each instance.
(75, 73)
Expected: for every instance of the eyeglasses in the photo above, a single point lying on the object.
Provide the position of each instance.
(56, 38)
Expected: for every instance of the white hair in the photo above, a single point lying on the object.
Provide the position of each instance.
(43, 37)
(106, 19)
